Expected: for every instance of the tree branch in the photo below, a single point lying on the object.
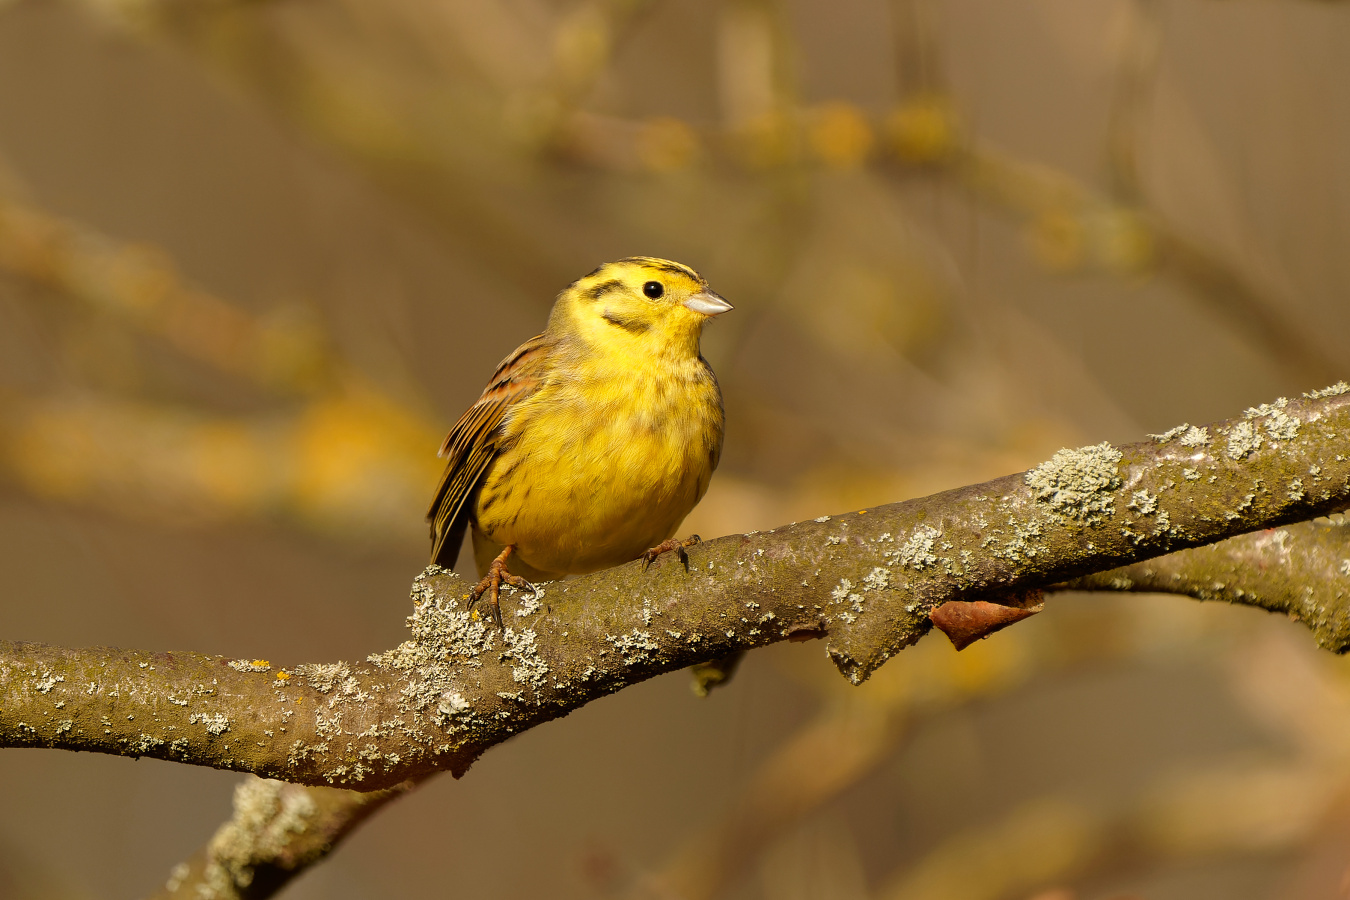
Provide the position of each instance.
(865, 581)
(277, 831)
(1301, 570)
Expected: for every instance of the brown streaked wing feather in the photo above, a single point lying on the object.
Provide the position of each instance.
(473, 442)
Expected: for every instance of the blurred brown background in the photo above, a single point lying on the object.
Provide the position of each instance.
(256, 255)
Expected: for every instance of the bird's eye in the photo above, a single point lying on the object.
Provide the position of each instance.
(653, 289)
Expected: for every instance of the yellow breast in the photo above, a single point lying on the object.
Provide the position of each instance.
(602, 464)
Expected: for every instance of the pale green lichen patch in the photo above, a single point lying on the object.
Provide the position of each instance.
(440, 632)
(1266, 409)
(453, 703)
(1194, 437)
(1243, 440)
(1279, 424)
(1024, 541)
(323, 677)
(917, 552)
(444, 668)
(266, 816)
(1143, 502)
(1282, 427)
(436, 679)
(528, 667)
(636, 648)
(1185, 434)
(1080, 483)
(530, 605)
(246, 665)
(1171, 433)
(1336, 389)
(852, 602)
(46, 681)
(216, 723)
(144, 743)
(877, 580)
(844, 595)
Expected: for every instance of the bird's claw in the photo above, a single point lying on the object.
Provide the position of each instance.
(492, 587)
(491, 584)
(680, 548)
(521, 584)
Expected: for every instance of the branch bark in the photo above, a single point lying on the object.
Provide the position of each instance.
(865, 581)
(276, 832)
(1301, 570)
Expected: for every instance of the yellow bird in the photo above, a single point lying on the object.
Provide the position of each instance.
(592, 441)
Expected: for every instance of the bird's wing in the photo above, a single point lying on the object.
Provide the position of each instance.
(474, 441)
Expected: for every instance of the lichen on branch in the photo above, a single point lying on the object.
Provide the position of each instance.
(276, 832)
(865, 582)
(1301, 570)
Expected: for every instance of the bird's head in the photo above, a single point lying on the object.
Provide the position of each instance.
(645, 303)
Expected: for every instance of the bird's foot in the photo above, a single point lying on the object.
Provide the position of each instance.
(673, 544)
(491, 585)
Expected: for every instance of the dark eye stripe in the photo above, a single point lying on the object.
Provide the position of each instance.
(633, 326)
(604, 288)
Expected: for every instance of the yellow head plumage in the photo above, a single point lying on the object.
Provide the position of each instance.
(641, 303)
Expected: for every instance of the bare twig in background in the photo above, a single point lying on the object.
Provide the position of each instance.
(350, 461)
(843, 743)
(917, 49)
(1240, 300)
(139, 284)
(1247, 808)
(854, 734)
(1074, 227)
(1239, 804)
(1142, 46)
(386, 126)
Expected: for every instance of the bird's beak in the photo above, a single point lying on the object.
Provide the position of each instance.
(708, 303)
